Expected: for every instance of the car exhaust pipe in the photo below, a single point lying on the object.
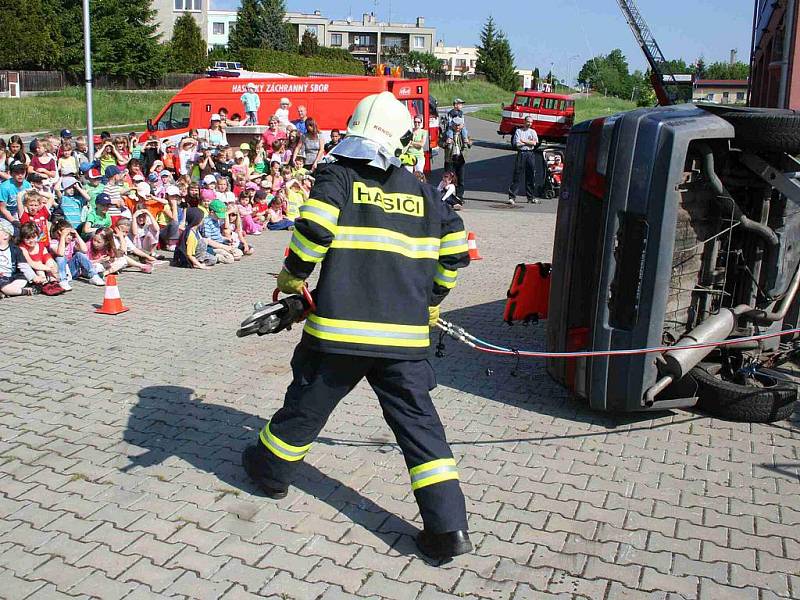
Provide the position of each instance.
(678, 362)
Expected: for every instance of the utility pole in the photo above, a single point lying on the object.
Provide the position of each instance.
(87, 58)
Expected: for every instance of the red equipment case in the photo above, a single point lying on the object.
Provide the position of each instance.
(529, 294)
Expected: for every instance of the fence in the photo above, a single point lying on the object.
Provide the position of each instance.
(53, 81)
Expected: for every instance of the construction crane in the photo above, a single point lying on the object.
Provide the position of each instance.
(661, 73)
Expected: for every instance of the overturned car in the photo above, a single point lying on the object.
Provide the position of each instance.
(679, 226)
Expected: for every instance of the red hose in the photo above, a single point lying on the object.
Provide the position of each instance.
(660, 349)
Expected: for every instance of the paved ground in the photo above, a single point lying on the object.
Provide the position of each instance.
(120, 478)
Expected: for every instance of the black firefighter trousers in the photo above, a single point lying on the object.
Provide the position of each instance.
(321, 380)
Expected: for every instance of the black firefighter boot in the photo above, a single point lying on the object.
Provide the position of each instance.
(254, 461)
(443, 546)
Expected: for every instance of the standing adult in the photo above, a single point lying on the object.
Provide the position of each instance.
(418, 143)
(301, 122)
(456, 145)
(310, 145)
(375, 302)
(525, 141)
(273, 132)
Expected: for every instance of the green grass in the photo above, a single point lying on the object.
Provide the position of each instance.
(67, 109)
(585, 109)
(472, 92)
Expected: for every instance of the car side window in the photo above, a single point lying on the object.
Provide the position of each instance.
(522, 100)
(175, 117)
(537, 102)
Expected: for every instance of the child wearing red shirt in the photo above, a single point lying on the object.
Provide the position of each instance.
(36, 253)
(36, 212)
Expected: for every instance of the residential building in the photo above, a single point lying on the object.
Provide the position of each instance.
(219, 27)
(720, 91)
(368, 39)
(458, 61)
(168, 11)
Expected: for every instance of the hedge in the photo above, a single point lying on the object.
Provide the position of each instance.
(272, 61)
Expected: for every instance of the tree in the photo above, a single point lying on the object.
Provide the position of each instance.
(424, 62)
(32, 38)
(486, 48)
(309, 44)
(495, 59)
(700, 68)
(505, 75)
(261, 24)
(724, 70)
(245, 32)
(124, 40)
(187, 50)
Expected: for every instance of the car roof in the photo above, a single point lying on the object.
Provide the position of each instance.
(543, 95)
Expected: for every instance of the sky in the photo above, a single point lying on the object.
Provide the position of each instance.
(566, 33)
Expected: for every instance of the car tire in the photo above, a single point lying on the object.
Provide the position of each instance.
(766, 131)
(772, 400)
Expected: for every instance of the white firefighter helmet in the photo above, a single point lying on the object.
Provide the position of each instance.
(383, 119)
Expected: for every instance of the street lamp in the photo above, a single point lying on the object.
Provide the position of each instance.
(569, 68)
(87, 58)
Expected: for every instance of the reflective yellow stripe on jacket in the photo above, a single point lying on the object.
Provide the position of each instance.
(386, 240)
(454, 243)
(364, 332)
(321, 213)
(445, 277)
(280, 448)
(432, 472)
(306, 249)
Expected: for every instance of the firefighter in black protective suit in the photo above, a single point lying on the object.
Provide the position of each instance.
(390, 248)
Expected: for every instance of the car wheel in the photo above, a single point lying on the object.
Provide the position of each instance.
(764, 398)
(765, 131)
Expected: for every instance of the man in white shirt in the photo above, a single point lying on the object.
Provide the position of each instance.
(525, 141)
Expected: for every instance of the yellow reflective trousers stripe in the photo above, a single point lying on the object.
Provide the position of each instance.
(280, 448)
(435, 471)
(365, 332)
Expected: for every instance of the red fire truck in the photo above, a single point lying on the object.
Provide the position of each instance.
(553, 114)
(329, 100)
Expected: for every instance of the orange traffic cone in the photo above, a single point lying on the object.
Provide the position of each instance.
(472, 244)
(112, 303)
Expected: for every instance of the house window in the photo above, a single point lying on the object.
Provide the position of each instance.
(218, 28)
(190, 5)
(419, 41)
(313, 30)
(740, 96)
(362, 40)
(710, 97)
(336, 39)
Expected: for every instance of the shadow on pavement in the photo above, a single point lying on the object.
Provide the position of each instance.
(171, 421)
(524, 382)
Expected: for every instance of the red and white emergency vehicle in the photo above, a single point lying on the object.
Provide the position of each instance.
(553, 114)
(329, 100)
